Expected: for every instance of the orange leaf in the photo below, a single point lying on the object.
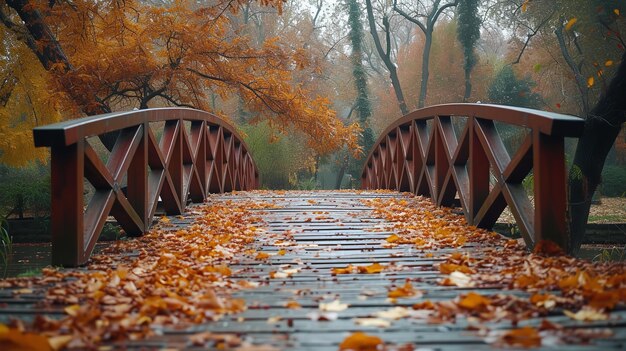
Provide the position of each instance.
(14, 340)
(548, 247)
(393, 238)
(403, 291)
(262, 256)
(347, 270)
(524, 337)
(571, 23)
(361, 342)
(590, 82)
(604, 299)
(608, 63)
(474, 301)
(371, 269)
(447, 268)
(282, 252)
(291, 304)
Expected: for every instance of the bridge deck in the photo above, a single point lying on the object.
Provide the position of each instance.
(322, 231)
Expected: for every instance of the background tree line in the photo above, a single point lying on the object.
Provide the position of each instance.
(312, 83)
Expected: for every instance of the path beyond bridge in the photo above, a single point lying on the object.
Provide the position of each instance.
(322, 271)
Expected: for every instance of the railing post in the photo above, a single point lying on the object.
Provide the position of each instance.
(137, 190)
(550, 189)
(478, 167)
(67, 168)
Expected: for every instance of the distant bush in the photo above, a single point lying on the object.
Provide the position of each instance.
(613, 181)
(25, 191)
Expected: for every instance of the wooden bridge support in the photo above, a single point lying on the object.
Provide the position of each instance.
(424, 154)
(197, 154)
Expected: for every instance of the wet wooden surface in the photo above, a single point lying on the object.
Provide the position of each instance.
(320, 231)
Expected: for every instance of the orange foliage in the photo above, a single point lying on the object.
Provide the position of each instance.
(137, 54)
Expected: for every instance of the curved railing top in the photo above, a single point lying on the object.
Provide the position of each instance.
(69, 132)
(474, 170)
(148, 166)
(548, 123)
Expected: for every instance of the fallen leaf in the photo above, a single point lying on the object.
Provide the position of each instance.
(12, 339)
(459, 279)
(291, 304)
(371, 269)
(587, 314)
(404, 291)
(394, 313)
(571, 23)
(322, 316)
(474, 302)
(372, 322)
(447, 268)
(525, 337)
(361, 342)
(334, 306)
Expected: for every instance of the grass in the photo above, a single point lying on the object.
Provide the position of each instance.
(612, 254)
(30, 273)
(606, 218)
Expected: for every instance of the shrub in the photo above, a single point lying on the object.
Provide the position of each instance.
(613, 181)
(25, 191)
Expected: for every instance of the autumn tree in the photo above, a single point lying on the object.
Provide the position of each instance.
(386, 53)
(590, 42)
(424, 15)
(468, 31)
(111, 55)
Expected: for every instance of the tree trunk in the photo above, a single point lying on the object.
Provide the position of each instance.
(602, 127)
(425, 68)
(386, 57)
(48, 49)
(468, 84)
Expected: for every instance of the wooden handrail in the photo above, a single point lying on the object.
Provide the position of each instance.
(198, 153)
(431, 160)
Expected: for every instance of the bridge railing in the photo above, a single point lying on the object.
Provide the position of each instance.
(455, 154)
(160, 157)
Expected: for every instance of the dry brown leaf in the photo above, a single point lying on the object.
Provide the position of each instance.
(526, 337)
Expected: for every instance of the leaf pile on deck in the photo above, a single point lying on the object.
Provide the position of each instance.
(553, 282)
(178, 276)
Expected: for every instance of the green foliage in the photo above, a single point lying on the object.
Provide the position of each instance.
(278, 158)
(6, 247)
(25, 190)
(507, 89)
(468, 30)
(307, 184)
(614, 181)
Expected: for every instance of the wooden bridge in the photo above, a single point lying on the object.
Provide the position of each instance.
(315, 269)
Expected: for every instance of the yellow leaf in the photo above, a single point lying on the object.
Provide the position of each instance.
(590, 82)
(608, 63)
(616, 11)
(282, 252)
(393, 238)
(571, 23)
